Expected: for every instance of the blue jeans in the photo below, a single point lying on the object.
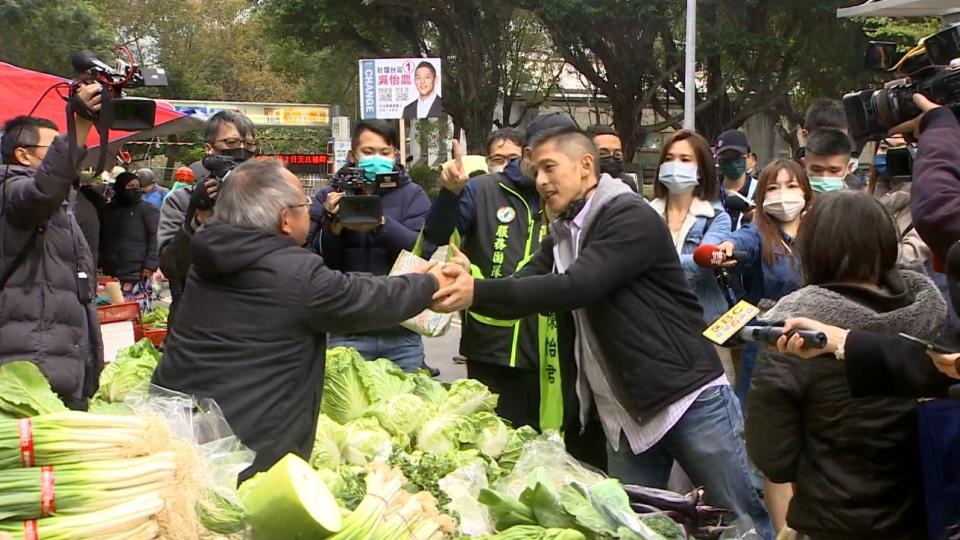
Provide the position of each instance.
(405, 350)
(748, 361)
(708, 443)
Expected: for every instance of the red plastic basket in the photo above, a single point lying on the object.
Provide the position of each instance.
(129, 311)
(155, 336)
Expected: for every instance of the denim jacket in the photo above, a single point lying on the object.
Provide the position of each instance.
(762, 280)
(693, 233)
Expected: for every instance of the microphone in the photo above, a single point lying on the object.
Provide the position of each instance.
(770, 335)
(711, 257)
(85, 61)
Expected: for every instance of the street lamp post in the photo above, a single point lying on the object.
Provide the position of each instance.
(690, 71)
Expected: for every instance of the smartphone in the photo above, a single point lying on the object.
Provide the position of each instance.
(929, 345)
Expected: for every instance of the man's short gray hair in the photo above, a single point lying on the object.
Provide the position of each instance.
(255, 194)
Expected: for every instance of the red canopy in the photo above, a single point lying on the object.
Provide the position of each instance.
(21, 88)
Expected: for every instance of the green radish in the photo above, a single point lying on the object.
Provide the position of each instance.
(290, 501)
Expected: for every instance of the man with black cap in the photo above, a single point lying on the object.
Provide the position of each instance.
(153, 192)
(737, 187)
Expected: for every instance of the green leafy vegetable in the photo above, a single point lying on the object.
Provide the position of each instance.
(329, 440)
(157, 317)
(468, 396)
(129, 373)
(506, 511)
(366, 442)
(402, 414)
(493, 434)
(387, 380)
(346, 385)
(546, 507)
(425, 470)
(664, 526)
(514, 447)
(446, 433)
(24, 391)
(428, 389)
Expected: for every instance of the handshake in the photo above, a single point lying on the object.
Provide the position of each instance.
(455, 292)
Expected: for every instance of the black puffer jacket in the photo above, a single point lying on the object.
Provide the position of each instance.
(854, 462)
(128, 237)
(43, 317)
(252, 331)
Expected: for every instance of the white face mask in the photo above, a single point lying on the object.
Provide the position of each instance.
(784, 204)
(678, 177)
(497, 169)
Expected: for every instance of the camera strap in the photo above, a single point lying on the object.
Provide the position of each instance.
(102, 123)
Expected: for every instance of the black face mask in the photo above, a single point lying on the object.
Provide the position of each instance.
(131, 197)
(237, 154)
(612, 166)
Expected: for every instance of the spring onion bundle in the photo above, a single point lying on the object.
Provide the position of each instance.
(131, 519)
(38, 492)
(76, 437)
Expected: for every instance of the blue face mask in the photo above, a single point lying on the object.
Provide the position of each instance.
(880, 164)
(374, 165)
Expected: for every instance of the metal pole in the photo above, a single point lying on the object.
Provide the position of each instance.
(690, 72)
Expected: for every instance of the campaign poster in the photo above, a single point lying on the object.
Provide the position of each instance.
(408, 88)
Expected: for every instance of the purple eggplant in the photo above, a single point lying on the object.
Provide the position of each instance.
(663, 499)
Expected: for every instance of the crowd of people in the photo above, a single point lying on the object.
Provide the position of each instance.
(583, 302)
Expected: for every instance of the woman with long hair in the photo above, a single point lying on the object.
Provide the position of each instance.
(854, 463)
(686, 194)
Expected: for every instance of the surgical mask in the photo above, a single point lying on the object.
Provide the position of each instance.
(826, 184)
(497, 169)
(131, 196)
(374, 165)
(785, 204)
(880, 164)
(732, 169)
(678, 177)
(237, 154)
(611, 165)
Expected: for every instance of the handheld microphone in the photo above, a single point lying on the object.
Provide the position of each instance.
(770, 335)
(85, 61)
(737, 203)
(712, 257)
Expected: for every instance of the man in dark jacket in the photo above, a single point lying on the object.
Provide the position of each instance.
(228, 133)
(129, 243)
(655, 381)
(373, 248)
(47, 273)
(610, 148)
(256, 310)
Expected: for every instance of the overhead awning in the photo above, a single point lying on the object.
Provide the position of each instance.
(902, 8)
(24, 90)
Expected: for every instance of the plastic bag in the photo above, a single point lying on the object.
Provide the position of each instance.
(427, 323)
(463, 487)
(546, 460)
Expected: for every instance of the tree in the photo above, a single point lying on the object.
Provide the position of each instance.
(41, 35)
(468, 35)
(530, 68)
(752, 54)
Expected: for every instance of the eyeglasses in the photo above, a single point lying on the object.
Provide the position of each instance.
(238, 143)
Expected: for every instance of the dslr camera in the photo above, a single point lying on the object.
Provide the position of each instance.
(118, 111)
(931, 69)
(361, 204)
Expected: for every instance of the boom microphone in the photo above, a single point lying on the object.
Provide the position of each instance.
(712, 257)
(85, 61)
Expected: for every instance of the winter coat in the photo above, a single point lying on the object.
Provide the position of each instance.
(251, 332)
(935, 193)
(129, 239)
(46, 310)
(854, 461)
(706, 223)
(405, 209)
(155, 198)
(628, 280)
(768, 281)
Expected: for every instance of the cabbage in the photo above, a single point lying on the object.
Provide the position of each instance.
(514, 447)
(387, 380)
(428, 389)
(493, 434)
(130, 372)
(346, 385)
(402, 414)
(327, 443)
(468, 396)
(24, 391)
(366, 442)
(445, 433)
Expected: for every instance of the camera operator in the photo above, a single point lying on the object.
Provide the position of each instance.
(230, 134)
(373, 248)
(257, 307)
(48, 275)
